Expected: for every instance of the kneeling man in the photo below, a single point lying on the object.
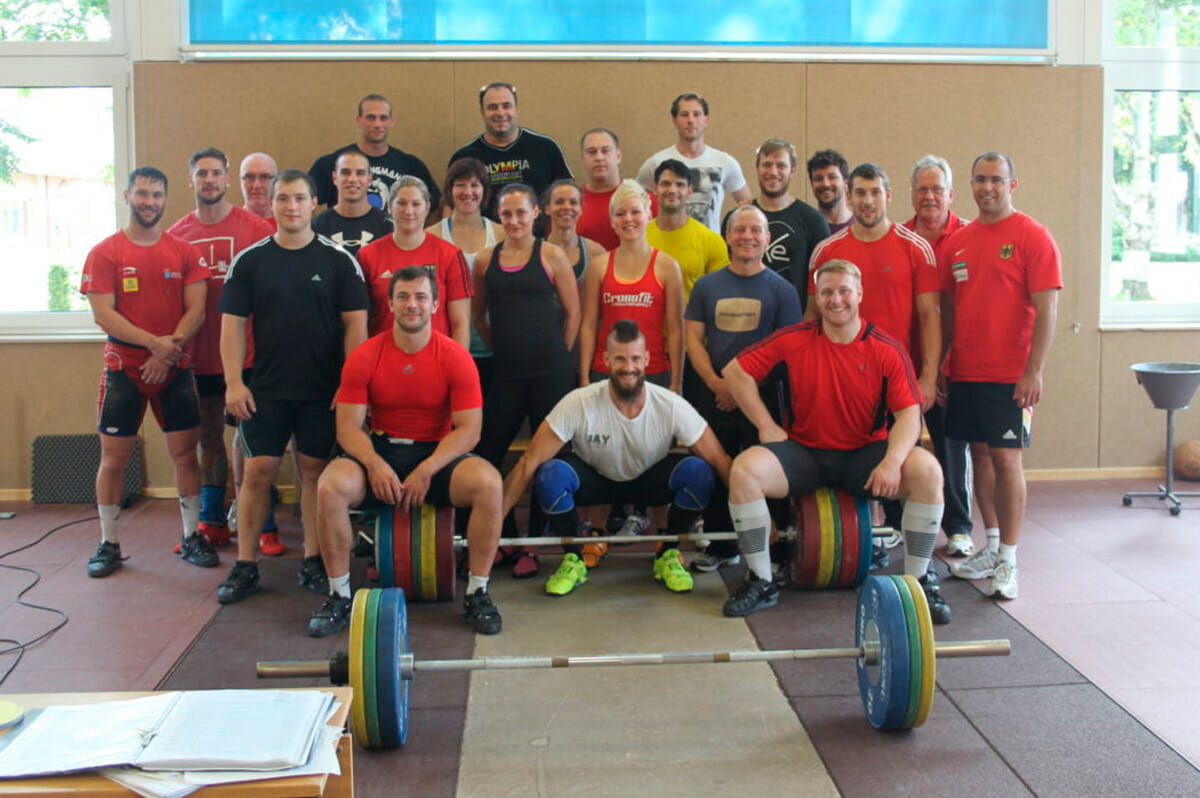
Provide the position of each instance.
(846, 376)
(426, 410)
(621, 431)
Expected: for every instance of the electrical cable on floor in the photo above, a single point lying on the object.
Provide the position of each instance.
(17, 646)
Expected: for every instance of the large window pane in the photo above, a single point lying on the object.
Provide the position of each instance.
(1157, 23)
(1156, 223)
(56, 192)
(1013, 24)
(55, 20)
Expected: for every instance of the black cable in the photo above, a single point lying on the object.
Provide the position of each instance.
(17, 646)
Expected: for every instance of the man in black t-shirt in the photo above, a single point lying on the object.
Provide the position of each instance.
(353, 222)
(512, 154)
(309, 304)
(388, 164)
(795, 226)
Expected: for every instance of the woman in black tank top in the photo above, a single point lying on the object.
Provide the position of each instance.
(517, 285)
(562, 203)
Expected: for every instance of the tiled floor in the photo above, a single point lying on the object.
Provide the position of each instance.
(1112, 590)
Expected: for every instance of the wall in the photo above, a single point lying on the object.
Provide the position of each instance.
(1047, 118)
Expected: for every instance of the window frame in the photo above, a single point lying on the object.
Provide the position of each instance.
(104, 64)
(1137, 69)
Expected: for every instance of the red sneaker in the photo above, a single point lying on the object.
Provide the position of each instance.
(217, 534)
(268, 544)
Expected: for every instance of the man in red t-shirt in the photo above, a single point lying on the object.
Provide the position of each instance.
(600, 151)
(932, 193)
(146, 289)
(1001, 275)
(220, 230)
(421, 390)
(845, 376)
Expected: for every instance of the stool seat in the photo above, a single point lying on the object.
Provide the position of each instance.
(1170, 386)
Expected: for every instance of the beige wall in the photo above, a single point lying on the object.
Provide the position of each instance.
(1047, 118)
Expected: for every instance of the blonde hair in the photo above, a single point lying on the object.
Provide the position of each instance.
(839, 266)
(628, 189)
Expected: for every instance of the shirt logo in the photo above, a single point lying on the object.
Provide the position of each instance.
(643, 300)
(1009, 435)
(129, 271)
(599, 440)
(408, 369)
(129, 285)
(170, 275)
(387, 275)
(959, 270)
(1006, 251)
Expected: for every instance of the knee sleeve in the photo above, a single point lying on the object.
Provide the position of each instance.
(554, 487)
(692, 480)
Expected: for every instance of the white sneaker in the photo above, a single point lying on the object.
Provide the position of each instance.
(959, 546)
(635, 524)
(1004, 581)
(707, 563)
(981, 566)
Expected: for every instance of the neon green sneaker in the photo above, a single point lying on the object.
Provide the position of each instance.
(570, 574)
(668, 569)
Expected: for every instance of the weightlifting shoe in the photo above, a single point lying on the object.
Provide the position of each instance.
(879, 557)
(269, 545)
(241, 583)
(668, 569)
(1004, 581)
(959, 545)
(526, 566)
(332, 617)
(980, 566)
(312, 575)
(705, 563)
(753, 595)
(570, 574)
(634, 524)
(196, 549)
(216, 533)
(480, 613)
(106, 560)
(939, 610)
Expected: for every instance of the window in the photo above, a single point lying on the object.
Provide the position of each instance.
(1152, 68)
(63, 135)
(1011, 24)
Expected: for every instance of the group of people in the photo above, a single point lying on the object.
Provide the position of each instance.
(398, 341)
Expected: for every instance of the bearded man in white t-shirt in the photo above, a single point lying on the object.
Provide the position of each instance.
(621, 431)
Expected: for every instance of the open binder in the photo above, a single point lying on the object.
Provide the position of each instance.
(259, 730)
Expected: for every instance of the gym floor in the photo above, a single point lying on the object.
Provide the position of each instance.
(1099, 696)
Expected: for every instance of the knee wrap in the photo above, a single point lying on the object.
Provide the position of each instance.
(554, 487)
(692, 479)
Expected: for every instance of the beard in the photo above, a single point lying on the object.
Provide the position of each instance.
(148, 223)
(631, 392)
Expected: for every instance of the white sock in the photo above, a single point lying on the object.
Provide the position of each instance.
(475, 583)
(1007, 553)
(340, 585)
(920, 523)
(109, 513)
(189, 508)
(753, 524)
(993, 539)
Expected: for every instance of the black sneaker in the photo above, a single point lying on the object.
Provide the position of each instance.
(312, 574)
(331, 618)
(106, 560)
(196, 549)
(480, 613)
(939, 610)
(879, 557)
(241, 583)
(755, 594)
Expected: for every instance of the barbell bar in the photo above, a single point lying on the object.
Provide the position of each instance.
(894, 650)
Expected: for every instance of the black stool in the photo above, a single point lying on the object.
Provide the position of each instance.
(1170, 387)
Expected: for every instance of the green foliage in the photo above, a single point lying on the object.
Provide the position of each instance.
(41, 21)
(9, 134)
(59, 286)
(1144, 23)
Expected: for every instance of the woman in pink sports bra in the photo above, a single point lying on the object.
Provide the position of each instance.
(634, 282)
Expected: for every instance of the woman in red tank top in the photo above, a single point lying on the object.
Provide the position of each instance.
(634, 282)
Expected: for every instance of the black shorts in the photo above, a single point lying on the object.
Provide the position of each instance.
(210, 385)
(275, 421)
(403, 458)
(231, 420)
(808, 469)
(124, 396)
(651, 489)
(985, 412)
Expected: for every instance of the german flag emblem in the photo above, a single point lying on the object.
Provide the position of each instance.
(1006, 251)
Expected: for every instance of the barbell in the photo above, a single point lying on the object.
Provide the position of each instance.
(831, 548)
(893, 645)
